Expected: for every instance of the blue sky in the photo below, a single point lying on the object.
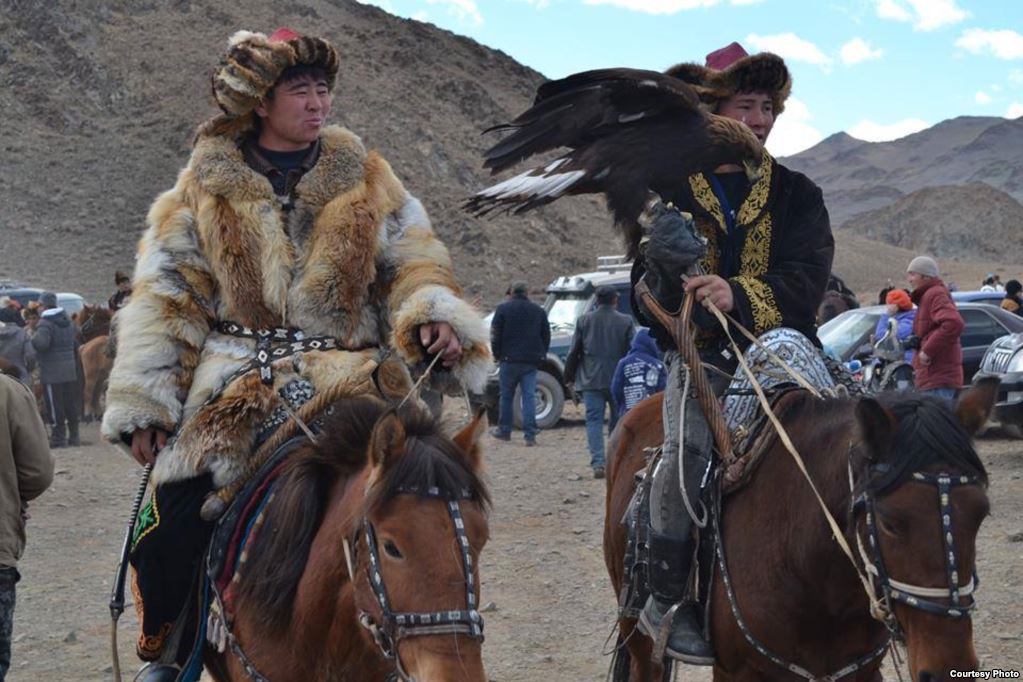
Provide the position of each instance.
(877, 69)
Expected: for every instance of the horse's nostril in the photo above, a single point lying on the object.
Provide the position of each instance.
(926, 676)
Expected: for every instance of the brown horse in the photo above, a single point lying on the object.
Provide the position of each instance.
(93, 320)
(96, 366)
(798, 594)
(381, 495)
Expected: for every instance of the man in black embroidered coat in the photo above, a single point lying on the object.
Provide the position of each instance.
(768, 257)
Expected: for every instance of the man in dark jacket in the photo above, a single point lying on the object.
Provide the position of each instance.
(56, 348)
(639, 375)
(768, 255)
(602, 338)
(26, 470)
(16, 348)
(519, 338)
(938, 364)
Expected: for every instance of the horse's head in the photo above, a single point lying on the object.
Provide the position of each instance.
(922, 498)
(425, 523)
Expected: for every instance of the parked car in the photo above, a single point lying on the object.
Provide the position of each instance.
(568, 299)
(1004, 360)
(71, 303)
(989, 297)
(847, 337)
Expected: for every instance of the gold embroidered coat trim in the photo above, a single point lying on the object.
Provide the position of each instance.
(756, 251)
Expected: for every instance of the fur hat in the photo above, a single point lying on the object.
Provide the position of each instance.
(732, 70)
(254, 62)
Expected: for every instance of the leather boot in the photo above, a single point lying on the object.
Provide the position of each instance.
(72, 437)
(670, 564)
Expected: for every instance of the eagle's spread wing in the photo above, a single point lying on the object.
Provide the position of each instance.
(584, 106)
(629, 131)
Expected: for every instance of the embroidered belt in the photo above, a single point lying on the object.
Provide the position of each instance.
(275, 343)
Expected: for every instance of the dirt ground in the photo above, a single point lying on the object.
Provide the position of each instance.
(550, 606)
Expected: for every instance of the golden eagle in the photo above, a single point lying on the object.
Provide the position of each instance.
(630, 132)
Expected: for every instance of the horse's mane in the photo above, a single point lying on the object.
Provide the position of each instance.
(929, 433)
(302, 493)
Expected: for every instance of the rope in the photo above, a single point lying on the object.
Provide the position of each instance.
(875, 605)
(419, 382)
(678, 328)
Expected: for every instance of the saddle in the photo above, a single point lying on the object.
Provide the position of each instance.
(226, 556)
(751, 443)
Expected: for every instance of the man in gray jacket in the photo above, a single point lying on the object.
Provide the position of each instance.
(602, 338)
(26, 470)
(56, 347)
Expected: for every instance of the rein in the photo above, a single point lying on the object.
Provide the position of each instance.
(880, 607)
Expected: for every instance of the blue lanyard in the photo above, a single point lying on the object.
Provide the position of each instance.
(726, 208)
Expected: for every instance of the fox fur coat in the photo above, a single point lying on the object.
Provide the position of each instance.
(354, 259)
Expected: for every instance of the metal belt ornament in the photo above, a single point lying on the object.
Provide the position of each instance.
(916, 596)
(273, 344)
(395, 626)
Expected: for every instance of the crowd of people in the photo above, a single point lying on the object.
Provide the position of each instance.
(39, 346)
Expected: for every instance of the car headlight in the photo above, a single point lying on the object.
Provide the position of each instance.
(1016, 363)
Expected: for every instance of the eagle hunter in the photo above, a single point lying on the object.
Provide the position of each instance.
(630, 132)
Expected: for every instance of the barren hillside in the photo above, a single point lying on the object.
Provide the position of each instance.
(99, 102)
(859, 176)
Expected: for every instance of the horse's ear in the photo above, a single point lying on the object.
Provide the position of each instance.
(468, 439)
(877, 426)
(387, 440)
(975, 405)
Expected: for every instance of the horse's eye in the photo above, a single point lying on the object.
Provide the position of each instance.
(890, 527)
(392, 549)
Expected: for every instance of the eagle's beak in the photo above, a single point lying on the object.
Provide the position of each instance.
(752, 170)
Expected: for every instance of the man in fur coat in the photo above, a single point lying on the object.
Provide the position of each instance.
(767, 261)
(288, 262)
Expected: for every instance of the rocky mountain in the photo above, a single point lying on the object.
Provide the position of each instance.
(959, 221)
(859, 177)
(100, 99)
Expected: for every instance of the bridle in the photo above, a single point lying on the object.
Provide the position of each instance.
(887, 589)
(395, 626)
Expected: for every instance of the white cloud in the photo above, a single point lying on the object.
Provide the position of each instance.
(421, 16)
(858, 50)
(879, 132)
(925, 15)
(982, 98)
(665, 6)
(1016, 76)
(1015, 110)
(995, 87)
(465, 11)
(792, 133)
(1003, 44)
(791, 47)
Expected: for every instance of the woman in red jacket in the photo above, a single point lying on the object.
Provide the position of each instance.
(938, 324)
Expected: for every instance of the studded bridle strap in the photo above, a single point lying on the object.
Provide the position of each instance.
(395, 626)
(917, 596)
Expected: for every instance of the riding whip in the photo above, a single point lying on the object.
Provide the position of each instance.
(117, 594)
